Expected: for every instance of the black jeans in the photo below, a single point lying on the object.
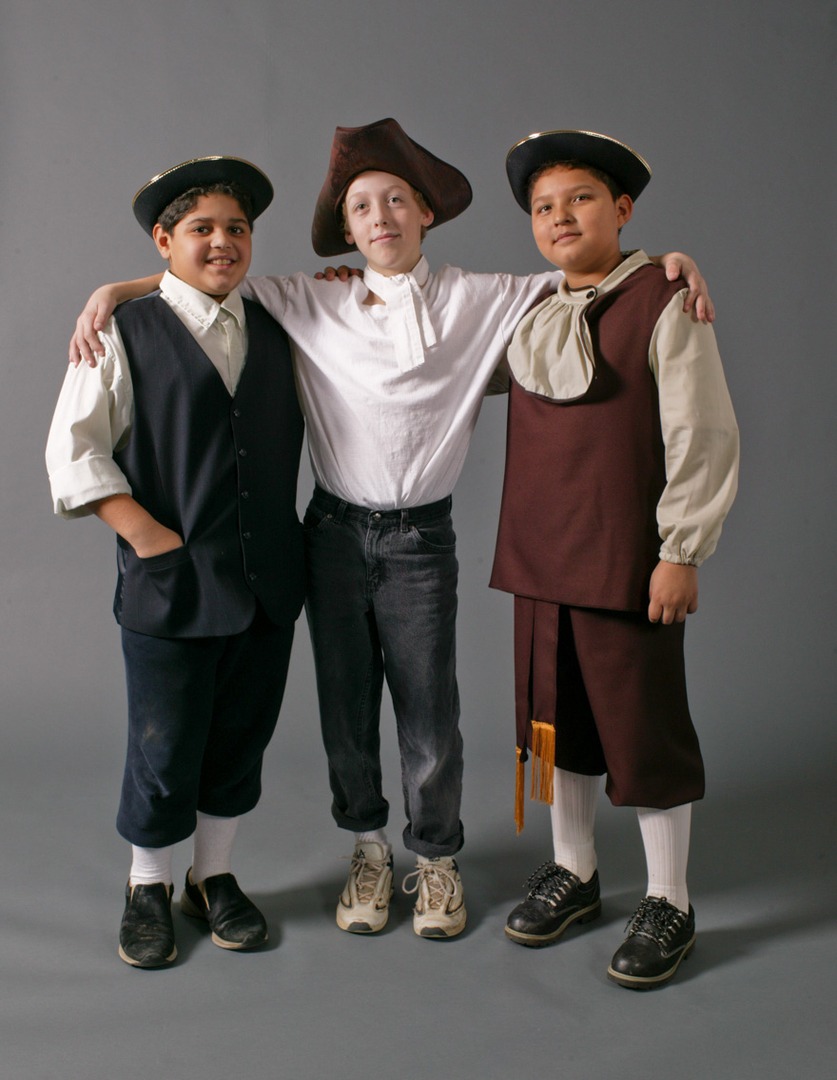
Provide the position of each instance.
(381, 604)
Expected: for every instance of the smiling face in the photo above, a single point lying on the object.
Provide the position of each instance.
(576, 223)
(385, 221)
(210, 247)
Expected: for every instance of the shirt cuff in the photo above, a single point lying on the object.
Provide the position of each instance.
(78, 485)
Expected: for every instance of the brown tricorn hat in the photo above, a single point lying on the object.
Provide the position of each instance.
(628, 168)
(383, 147)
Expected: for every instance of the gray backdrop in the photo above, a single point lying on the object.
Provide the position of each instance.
(732, 103)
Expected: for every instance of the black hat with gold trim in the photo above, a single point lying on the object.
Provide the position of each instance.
(152, 198)
(628, 168)
(383, 147)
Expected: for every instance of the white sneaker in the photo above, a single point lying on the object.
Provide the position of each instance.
(440, 904)
(363, 907)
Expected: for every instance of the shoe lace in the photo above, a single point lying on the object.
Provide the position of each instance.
(440, 882)
(550, 883)
(657, 919)
(367, 873)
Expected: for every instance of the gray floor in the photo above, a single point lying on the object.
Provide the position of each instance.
(756, 999)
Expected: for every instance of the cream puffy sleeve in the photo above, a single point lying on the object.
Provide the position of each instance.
(700, 434)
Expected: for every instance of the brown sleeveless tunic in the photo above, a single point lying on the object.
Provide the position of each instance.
(583, 477)
(598, 688)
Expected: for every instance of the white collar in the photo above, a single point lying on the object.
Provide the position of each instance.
(201, 307)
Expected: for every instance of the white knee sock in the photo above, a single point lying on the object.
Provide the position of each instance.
(665, 834)
(212, 846)
(573, 821)
(150, 865)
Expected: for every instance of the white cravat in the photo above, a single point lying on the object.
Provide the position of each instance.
(409, 320)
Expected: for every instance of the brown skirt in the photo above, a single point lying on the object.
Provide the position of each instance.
(611, 686)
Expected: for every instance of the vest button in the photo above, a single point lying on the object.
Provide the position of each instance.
(247, 535)
(245, 494)
(252, 577)
(242, 453)
(236, 412)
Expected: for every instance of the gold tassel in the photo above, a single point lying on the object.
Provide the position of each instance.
(543, 761)
(519, 783)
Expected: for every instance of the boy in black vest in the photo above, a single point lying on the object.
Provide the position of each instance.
(621, 466)
(186, 441)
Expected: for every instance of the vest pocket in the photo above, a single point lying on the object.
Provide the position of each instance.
(166, 560)
(160, 595)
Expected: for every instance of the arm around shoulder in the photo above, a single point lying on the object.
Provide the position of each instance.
(85, 344)
(697, 301)
(271, 292)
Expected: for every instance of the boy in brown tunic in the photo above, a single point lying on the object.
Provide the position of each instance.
(621, 466)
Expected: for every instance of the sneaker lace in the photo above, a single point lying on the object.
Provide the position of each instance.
(367, 873)
(441, 884)
(657, 919)
(550, 883)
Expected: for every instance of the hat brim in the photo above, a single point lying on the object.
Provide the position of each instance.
(628, 168)
(383, 147)
(153, 197)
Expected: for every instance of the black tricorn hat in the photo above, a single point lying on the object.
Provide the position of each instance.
(383, 147)
(628, 168)
(152, 198)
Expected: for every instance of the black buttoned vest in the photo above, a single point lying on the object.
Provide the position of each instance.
(219, 470)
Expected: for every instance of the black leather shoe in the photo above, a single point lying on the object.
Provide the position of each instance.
(659, 937)
(235, 921)
(146, 936)
(557, 898)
